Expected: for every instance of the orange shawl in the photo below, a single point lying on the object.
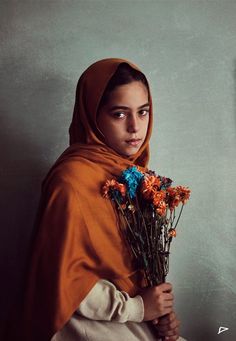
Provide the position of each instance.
(78, 240)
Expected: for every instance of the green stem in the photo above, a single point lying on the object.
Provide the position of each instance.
(179, 215)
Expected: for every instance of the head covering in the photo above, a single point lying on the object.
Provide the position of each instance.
(90, 88)
(78, 241)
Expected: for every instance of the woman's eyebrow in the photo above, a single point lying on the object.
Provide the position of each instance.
(114, 107)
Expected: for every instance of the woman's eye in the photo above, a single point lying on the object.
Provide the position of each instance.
(119, 114)
(144, 112)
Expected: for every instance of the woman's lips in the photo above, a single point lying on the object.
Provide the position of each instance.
(133, 142)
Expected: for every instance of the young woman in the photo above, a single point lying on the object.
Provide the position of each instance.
(83, 285)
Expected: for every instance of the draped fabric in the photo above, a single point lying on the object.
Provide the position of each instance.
(78, 240)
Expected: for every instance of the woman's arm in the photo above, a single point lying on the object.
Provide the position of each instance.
(105, 302)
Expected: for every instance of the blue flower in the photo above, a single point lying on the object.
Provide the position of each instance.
(131, 177)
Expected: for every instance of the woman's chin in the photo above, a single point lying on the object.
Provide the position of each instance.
(128, 153)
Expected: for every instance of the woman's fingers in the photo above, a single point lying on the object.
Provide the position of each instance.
(170, 325)
(157, 301)
(169, 332)
(169, 297)
(172, 338)
(167, 318)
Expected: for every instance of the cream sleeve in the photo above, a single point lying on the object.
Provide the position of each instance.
(104, 302)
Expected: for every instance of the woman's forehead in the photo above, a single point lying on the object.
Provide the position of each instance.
(134, 92)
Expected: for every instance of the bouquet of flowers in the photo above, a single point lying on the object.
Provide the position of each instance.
(147, 206)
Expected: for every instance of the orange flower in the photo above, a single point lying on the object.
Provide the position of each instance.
(158, 197)
(172, 233)
(149, 186)
(161, 209)
(113, 184)
(140, 169)
(121, 188)
(184, 193)
(173, 197)
(106, 188)
(123, 206)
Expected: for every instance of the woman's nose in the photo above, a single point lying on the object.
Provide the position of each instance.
(133, 125)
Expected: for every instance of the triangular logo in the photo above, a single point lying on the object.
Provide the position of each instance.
(222, 329)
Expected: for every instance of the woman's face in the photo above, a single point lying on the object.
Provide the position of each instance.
(123, 120)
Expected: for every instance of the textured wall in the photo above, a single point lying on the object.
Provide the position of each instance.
(188, 51)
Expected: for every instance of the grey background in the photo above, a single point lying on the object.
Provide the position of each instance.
(187, 49)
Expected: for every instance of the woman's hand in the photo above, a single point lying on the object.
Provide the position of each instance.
(158, 301)
(168, 327)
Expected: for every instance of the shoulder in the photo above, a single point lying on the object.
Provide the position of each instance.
(73, 176)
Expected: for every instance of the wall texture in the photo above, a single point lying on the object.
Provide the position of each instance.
(187, 48)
